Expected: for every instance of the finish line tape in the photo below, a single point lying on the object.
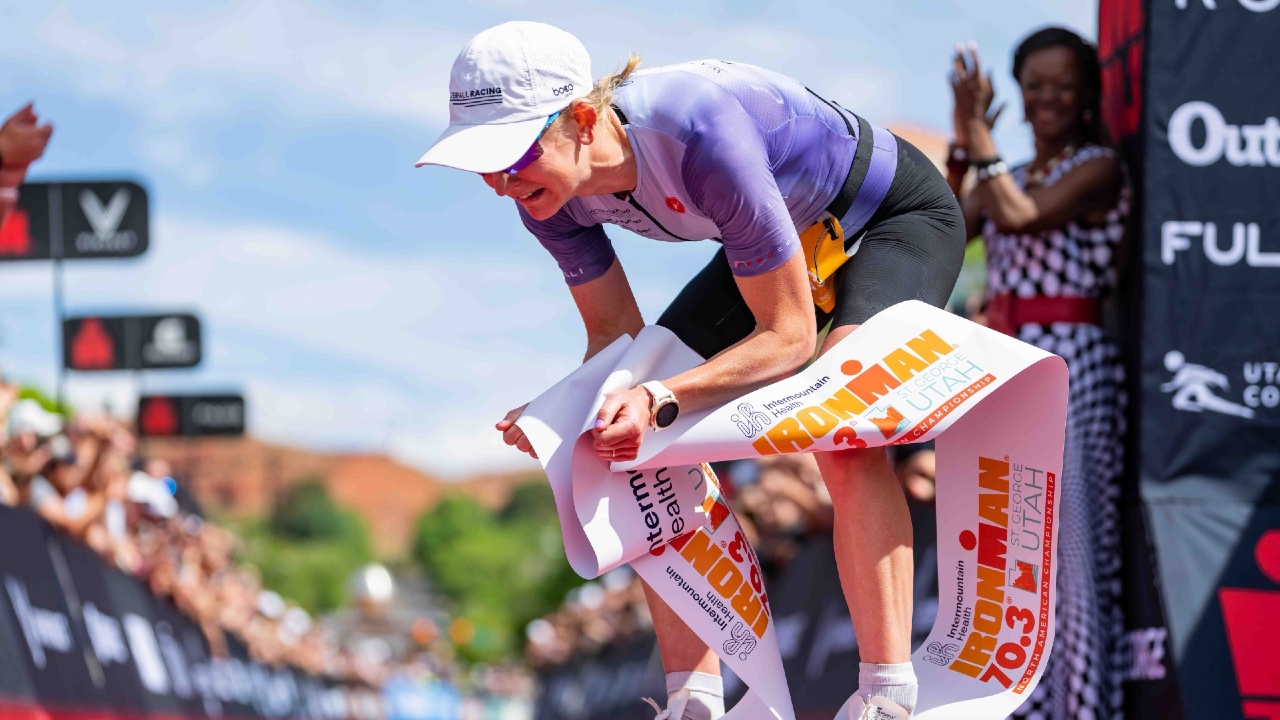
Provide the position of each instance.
(996, 406)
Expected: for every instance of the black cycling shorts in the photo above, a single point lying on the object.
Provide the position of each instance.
(912, 250)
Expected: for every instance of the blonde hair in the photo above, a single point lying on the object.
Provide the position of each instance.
(601, 95)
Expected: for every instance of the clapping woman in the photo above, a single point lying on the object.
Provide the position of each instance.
(1053, 227)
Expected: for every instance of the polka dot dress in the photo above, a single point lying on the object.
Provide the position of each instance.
(1083, 675)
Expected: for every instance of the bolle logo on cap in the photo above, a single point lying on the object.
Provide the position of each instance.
(562, 90)
(1257, 145)
(475, 98)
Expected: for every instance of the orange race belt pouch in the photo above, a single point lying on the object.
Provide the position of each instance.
(825, 250)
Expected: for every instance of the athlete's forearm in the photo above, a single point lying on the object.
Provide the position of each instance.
(783, 340)
(608, 309)
(603, 338)
(762, 357)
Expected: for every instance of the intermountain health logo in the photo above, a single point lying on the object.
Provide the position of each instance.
(749, 420)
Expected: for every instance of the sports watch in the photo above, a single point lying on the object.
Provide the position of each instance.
(664, 409)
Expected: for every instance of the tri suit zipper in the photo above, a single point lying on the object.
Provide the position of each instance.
(631, 200)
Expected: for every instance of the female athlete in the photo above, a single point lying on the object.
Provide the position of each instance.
(752, 159)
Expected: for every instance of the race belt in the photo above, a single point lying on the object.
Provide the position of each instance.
(837, 234)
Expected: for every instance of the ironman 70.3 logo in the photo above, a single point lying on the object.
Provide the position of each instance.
(1002, 637)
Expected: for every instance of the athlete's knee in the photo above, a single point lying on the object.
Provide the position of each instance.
(842, 469)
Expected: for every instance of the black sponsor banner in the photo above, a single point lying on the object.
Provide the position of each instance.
(1209, 447)
(605, 686)
(97, 625)
(191, 415)
(131, 342)
(132, 605)
(52, 655)
(15, 681)
(76, 220)
(76, 635)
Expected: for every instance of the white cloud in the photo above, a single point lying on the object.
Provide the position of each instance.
(193, 62)
(333, 349)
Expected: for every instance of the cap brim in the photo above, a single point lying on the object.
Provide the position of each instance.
(483, 148)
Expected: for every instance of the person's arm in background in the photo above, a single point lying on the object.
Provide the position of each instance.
(22, 142)
(50, 504)
(86, 476)
(9, 495)
(959, 162)
(1089, 186)
(8, 397)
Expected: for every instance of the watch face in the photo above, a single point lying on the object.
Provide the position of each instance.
(666, 415)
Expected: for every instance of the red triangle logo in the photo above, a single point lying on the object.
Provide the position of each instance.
(15, 234)
(92, 347)
(158, 417)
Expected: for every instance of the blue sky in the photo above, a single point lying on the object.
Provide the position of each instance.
(358, 302)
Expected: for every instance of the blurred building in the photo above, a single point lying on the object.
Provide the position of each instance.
(244, 476)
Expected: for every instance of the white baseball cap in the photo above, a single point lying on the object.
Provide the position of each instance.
(504, 85)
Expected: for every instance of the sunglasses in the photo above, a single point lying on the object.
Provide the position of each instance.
(535, 150)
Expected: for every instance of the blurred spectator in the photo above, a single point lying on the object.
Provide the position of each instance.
(915, 467)
(9, 494)
(22, 142)
(69, 492)
(779, 502)
(609, 611)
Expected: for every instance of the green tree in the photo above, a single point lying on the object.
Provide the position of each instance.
(532, 500)
(500, 569)
(306, 512)
(308, 547)
(49, 404)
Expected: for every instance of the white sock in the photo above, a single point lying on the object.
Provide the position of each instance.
(891, 681)
(706, 694)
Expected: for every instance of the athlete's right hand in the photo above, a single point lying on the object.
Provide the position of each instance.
(513, 435)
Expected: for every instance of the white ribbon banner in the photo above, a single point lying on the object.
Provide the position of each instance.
(997, 407)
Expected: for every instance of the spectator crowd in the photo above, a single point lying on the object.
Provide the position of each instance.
(780, 502)
(86, 478)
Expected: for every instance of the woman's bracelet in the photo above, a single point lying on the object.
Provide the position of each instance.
(988, 169)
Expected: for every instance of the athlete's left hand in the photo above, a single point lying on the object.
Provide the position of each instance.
(620, 424)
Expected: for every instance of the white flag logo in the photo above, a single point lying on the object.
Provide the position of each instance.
(105, 220)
